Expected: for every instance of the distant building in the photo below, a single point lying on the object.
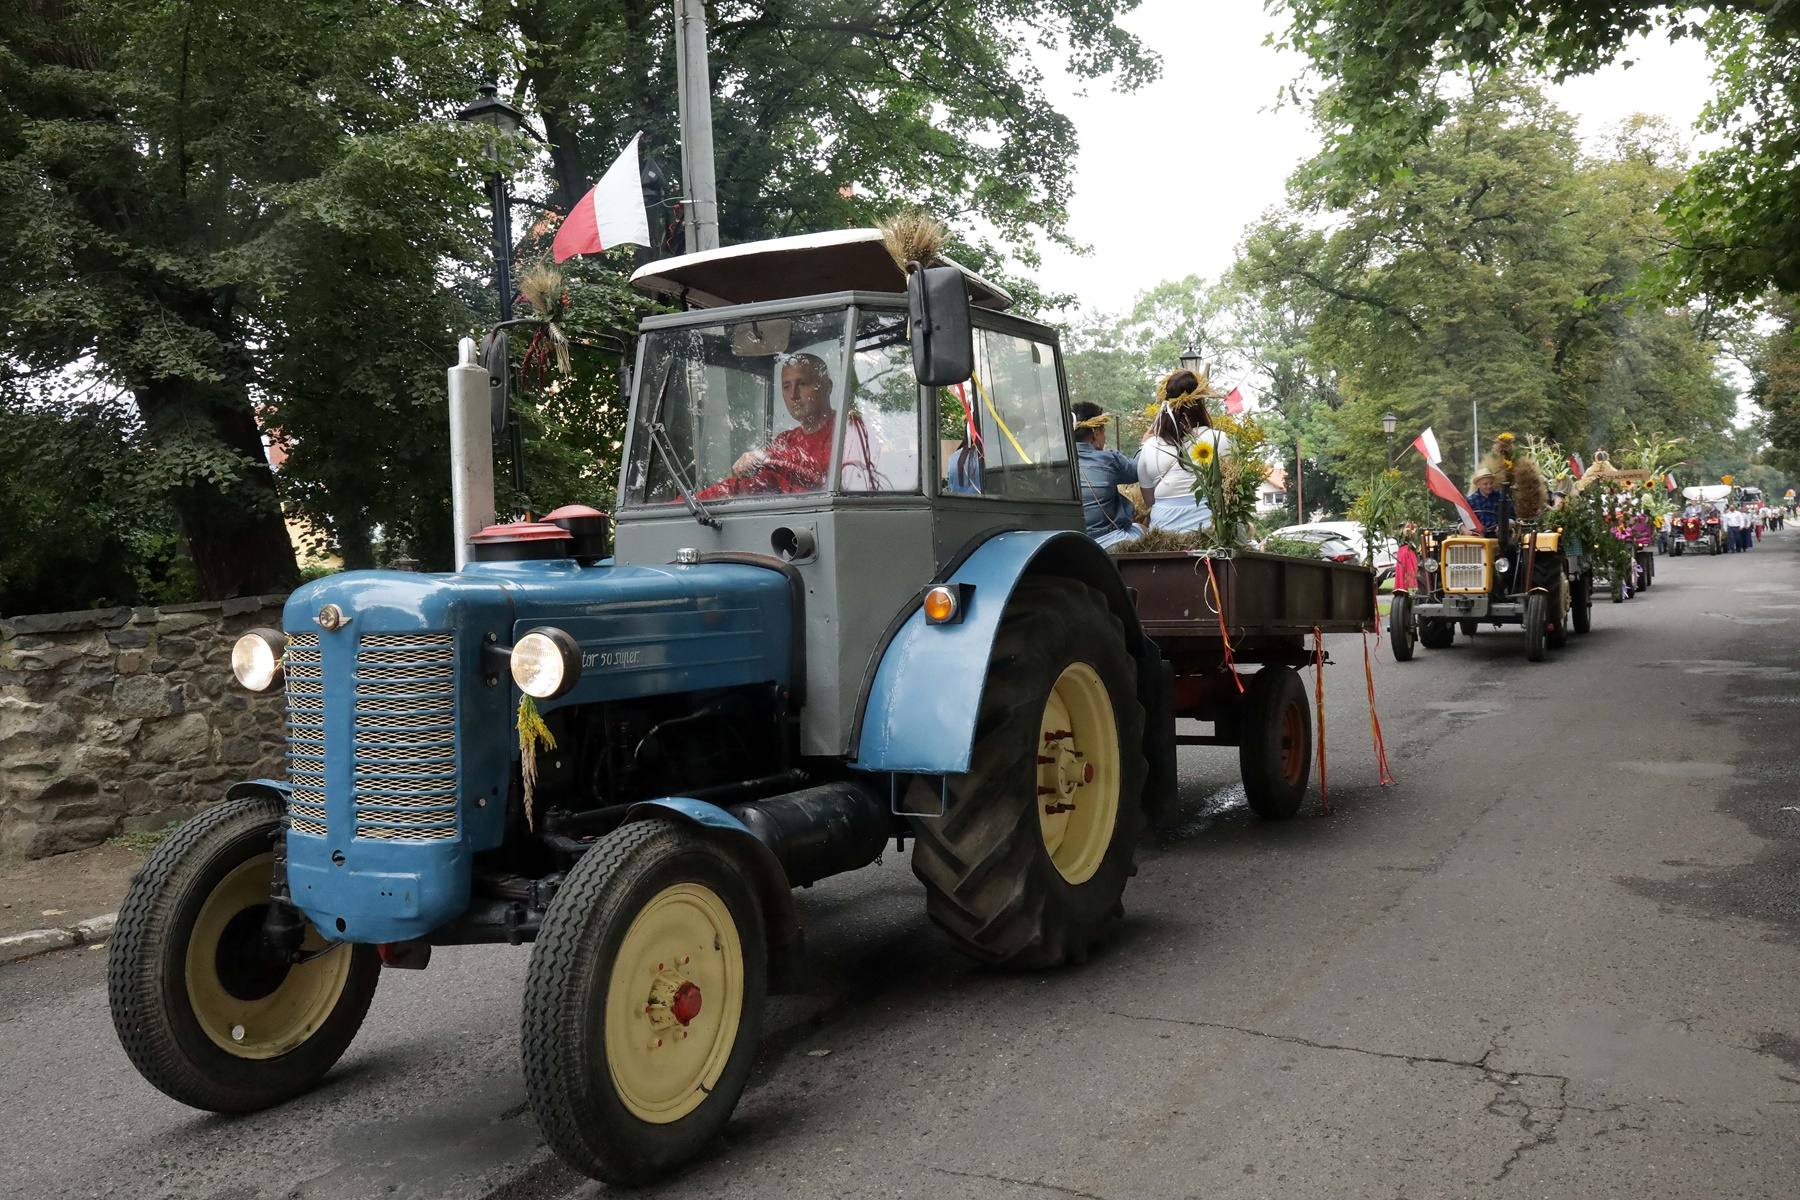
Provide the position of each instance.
(1272, 493)
(298, 530)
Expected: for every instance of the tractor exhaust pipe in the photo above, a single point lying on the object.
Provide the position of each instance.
(471, 449)
(821, 831)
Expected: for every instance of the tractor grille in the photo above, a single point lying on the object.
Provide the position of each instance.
(405, 765)
(306, 735)
(1465, 567)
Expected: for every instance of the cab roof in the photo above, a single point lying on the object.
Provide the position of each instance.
(810, 264)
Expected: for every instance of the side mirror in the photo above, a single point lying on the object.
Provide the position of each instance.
(498, 364)
(943, 343)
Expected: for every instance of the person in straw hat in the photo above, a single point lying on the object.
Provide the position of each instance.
(1106, 512)
(1179, 427)
(1487, 501)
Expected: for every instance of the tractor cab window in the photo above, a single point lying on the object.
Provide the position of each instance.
(881, 441)
(739, 409)
(1002, 432)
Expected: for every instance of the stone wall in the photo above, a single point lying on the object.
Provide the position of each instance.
(123, 719)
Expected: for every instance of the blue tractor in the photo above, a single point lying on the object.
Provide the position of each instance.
(847, 605)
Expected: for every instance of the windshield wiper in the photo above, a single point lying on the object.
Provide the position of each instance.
(659, 440)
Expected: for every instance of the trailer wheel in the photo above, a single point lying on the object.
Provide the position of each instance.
(1437, 633)
(1400, 627)
(1581, 603)
(1536, 616)
(206, 1010)
(643, 1003)
(1275, 755)
(1027, 864)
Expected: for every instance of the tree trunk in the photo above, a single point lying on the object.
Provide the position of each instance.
(235, 534)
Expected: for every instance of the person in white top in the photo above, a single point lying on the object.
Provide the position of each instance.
(1165, 475)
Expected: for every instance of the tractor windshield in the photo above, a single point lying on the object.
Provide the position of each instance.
(746, 409)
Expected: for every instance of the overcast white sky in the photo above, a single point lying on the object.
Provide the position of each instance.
(1170, 175)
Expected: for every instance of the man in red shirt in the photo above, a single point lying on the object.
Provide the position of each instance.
(796, 459)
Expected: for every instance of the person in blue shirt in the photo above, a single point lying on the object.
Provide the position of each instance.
(1486, 500)
(1106, 512)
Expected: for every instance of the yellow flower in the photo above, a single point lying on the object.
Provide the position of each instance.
(1201, 453)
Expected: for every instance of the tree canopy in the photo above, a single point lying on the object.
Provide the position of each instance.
(1388, 66)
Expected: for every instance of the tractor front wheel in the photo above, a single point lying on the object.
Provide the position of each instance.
(644, 1003)
(1275, 755)
(1580, 603)
(1537, 616)
(1400, 626)
(208, 1009)
(1027, 864)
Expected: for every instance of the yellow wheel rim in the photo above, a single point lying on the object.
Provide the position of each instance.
(249, 1008)
(673, 1003)
(1078, 773)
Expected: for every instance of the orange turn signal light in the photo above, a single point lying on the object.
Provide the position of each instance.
(940, 605)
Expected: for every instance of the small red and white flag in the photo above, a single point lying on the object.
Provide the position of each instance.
(1669, 482)
(1443, 489)
(1234, 402)
(1427, 446)
(1575, 467)
(611, 214)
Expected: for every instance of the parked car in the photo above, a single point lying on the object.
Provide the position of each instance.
(1342, 541)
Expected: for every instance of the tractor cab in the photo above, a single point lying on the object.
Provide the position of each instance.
(783, 419)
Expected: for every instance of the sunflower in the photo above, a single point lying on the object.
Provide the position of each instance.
(1201, 454)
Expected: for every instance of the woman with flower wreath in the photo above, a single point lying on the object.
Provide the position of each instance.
(1180, 442)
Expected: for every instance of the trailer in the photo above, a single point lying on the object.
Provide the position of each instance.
(812, 632)
(1211, 612)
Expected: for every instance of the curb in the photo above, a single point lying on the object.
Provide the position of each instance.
(17, 947)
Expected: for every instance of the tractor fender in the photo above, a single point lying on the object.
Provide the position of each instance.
(275, 789)
(781, 919)
(918, 711)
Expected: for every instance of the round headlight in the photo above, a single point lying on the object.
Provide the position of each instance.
(1501, 565)
(1430, 566)
(546, 663)
(256, 659)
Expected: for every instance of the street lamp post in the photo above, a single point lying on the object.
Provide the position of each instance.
(503, 122)
(1190, 358)
(1389, 422)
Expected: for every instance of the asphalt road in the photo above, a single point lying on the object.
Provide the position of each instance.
(1558, 958)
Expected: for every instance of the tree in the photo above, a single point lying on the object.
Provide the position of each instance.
(1496, 271)
(1386, 64)
(185, 186)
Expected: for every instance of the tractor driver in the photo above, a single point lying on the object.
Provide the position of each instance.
(1486, 501)
(795, 459)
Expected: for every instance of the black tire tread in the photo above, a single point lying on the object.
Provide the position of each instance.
(1270, 796)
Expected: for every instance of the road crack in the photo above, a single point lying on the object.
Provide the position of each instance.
(1510, 1101)
(1030, 1183)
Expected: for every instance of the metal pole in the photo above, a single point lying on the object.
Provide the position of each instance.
(1299, 485)
(694, 82)
(1474, 438)
(502, 198)
(471, 450)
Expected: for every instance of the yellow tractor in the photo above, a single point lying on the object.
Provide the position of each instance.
(1466, 581)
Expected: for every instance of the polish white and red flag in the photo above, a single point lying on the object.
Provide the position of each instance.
(1427, 446)
(611, 214)
(1575, 467)
(1234, 402)
(1443, 489)
(1669, 481)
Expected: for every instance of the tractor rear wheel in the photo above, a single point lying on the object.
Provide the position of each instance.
(1437, 633)
(1400, 627)
(1027, 864)
(206, 1008)
(1537, 615)
(644, 1003)
(1275, 753)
